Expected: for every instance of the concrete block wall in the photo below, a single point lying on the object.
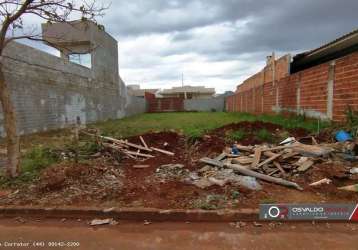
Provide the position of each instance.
(323, 91)
(212, 104)
(49, 92)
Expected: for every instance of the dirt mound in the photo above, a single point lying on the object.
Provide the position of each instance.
(251, 133)
(247, 127)
(165, 140)
(255, 126)
(70, 183)
(210, 145)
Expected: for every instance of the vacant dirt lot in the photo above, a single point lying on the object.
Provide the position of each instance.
(108, 179)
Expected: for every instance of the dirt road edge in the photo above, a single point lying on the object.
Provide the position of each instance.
(135, 214)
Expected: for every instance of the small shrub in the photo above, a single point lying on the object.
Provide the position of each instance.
(352, 121)
(194, 134)
(264, 135)
(236, 135)
(38, 158)
(32, 163)
(89, 148)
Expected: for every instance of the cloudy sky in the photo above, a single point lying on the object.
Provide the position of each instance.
(217, 43)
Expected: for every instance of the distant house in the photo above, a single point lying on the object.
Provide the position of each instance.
(188, 92)
(135, 90)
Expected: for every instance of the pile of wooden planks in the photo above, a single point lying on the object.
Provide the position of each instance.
(129, 149)
(280, 161)
(273, 163)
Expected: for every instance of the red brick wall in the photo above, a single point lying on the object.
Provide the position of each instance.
(165, 104)
(314, 88)
(313, 85)
(265, 75)
(345, 85)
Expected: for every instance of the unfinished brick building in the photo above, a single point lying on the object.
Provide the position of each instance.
(320, 83)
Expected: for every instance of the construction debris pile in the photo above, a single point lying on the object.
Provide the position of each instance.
(273, 164)
(239, 165)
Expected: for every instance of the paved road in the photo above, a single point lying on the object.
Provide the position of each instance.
(173, 236)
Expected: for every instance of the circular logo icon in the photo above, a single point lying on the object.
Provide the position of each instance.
(274, 212)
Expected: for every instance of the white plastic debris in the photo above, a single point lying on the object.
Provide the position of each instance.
(353, 170)
(97, 222)
(248, 182)
(288, 140)
(320, 182)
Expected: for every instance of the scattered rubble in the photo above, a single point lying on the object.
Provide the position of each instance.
(171, 171)
(353, 188)
(97, 222)
(320, 182)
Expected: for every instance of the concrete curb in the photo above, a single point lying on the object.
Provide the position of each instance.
(135, 214)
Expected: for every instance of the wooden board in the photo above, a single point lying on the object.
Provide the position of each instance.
(268, 160)
(143, 142)
(305, 166)
(162, 151)
(243, 160)
(278, 165)
(257, 157)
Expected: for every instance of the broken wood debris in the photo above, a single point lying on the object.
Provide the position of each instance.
(257, 158)
(162, 151)
(305, 165)
(273, 163)
(320, 182)
(143, 142)
(268, 160)
(268, 178)
(123, 146)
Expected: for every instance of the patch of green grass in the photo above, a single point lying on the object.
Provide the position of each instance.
(32, 163)
(196, 123)
(265, 135)
(295, 121)
(194, 134)
(236, 135)
(84, 148)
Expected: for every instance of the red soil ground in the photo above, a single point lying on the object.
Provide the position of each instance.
(104, 182)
